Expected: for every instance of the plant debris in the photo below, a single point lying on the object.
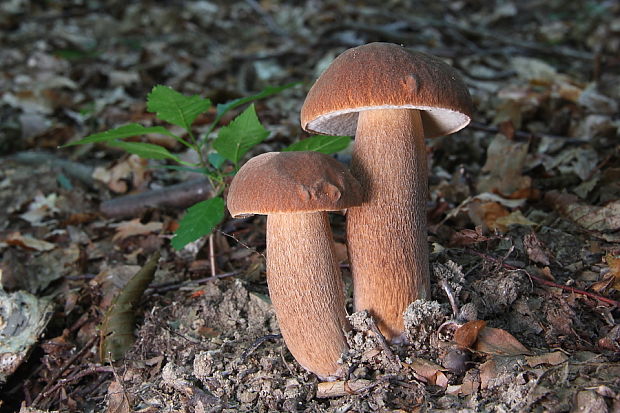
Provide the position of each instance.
(523, 210)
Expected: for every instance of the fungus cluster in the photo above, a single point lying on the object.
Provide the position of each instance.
(391, 99)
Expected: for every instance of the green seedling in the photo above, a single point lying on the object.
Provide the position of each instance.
(217, 149)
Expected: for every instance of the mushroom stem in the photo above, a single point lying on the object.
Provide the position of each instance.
(306, 289)
(387, 234)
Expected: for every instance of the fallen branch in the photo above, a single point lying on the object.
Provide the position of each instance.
(73, 169)
(180, 195)
(546, 282)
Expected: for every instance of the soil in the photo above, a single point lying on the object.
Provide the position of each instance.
(524, 214)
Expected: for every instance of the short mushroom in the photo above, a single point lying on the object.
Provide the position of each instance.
(295, 189)
(391, 99)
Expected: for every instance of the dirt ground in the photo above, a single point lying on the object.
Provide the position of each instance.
(524, 211)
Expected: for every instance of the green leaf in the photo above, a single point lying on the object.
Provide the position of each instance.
(240, 135)
(145, 150)
(321, 143)
(125, 131)
(199, 221)
(216, 160)
(176, 108)
(193, 169)
(268, 91)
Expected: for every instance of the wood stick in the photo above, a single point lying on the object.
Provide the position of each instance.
(180, 195)
(74, 169)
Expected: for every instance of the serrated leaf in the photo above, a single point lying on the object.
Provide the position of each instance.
(176, 108)
(145, 150)
(199, 221)
(240, 135)
(268, 91)
(125, 131)
(321, 143)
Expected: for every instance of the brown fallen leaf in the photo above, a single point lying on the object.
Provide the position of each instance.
(608, 281)
(467, 334)
(27, 242)
(486, 214)
(554, 358)
(591, 217)
(133, 169)
(117, 399)
(468, 237)
(441, 380)
(471, 385)
(134, 227)
(588, 401)
(614, 268)
(536, 250)
(488, 372)
(514, 218)
(42, 207)
(504, 167)
(499, 342)
(427, 369)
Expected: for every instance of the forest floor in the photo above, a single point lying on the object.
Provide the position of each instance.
(524, 210)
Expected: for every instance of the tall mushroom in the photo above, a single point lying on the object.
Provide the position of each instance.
(391, 99)
(295, 189)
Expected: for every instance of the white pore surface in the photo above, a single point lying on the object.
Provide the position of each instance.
(344, 122)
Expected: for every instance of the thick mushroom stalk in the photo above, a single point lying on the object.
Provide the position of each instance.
(387, 233)
(294, 189)
(306, 290)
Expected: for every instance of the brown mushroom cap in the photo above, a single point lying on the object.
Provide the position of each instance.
(386, 76)
(285, 182)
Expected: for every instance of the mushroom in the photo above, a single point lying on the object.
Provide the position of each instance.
(390, 98)
(294, 189)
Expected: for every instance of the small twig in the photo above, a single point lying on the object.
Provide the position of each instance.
(78, 376)
(241, 243)
(451, 297)
(191, 340)
(257, 343)
(382, 342)
(175, 285)
(180, 195)
(212, 255)
(51, 383)
(546, 282)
